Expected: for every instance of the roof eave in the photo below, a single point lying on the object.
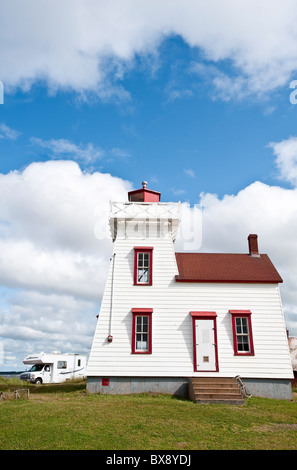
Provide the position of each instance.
(233, 281)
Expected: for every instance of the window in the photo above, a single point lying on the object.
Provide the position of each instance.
(143, 264)
(62, 365)
(142, 331)
(242, 332)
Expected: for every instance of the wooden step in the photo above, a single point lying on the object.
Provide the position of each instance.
(215, 390)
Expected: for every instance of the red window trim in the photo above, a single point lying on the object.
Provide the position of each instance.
(143, 249)
(142, 312)
(205, 316)
(242, 314)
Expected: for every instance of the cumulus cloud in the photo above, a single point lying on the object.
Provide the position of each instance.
(53, 257)
(102, 40)
(269, 211)
(56, 205)
(286, 159)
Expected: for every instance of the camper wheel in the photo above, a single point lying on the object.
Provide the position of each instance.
(38, 381)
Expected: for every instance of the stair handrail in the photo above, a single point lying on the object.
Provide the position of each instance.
(242, 387)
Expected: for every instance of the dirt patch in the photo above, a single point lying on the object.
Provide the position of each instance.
(276, 427)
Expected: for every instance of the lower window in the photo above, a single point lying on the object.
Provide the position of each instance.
(242, 332)
(142, 330)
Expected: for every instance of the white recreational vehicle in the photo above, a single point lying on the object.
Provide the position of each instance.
(54, 367)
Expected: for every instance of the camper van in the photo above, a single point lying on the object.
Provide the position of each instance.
(54, 367)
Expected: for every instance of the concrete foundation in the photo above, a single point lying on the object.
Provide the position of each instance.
(127, 385)
(266, 388)
(280, 389)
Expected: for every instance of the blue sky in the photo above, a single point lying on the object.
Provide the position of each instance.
(171, 129)
(98, 97)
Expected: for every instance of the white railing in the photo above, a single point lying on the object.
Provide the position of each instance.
(145, 210)
(141, 219)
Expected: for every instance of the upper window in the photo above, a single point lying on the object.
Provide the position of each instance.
(242, 332)
(143, 266)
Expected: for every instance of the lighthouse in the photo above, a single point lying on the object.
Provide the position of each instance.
(168, 319)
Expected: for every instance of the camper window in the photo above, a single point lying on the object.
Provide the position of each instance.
(62, 365)
(36, 368)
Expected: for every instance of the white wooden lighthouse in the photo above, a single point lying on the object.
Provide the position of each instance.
(168, 320)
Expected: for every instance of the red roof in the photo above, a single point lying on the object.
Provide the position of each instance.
(213, 267)
(144, 194)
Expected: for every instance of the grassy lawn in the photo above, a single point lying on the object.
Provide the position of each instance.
(62, 417)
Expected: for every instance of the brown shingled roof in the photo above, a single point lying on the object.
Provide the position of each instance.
(225, 267)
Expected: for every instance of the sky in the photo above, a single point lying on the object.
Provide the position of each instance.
(197, 98)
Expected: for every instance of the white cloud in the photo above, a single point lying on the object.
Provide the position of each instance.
(59, 148)
(190, 173)
(8, 133)
(27, 266)
(53, 257)
(55, 205)
(35, 322)
(269, 211)
(85, 154)
(88, 46)
(286, 159)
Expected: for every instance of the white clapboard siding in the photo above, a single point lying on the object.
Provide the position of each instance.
(172, 336)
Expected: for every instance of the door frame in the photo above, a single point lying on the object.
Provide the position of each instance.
(205, 316)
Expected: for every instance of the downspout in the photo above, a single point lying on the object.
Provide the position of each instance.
(110, 338)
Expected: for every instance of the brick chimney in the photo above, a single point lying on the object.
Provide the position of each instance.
(253, 245)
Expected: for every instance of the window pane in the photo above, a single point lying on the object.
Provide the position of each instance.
(244, 329)
(143, 265)
(62, 365)
(141, 346)
(142, 275)
(242, 336)
(243, 344)
(244, 325)
(246, 347)
(142, 332)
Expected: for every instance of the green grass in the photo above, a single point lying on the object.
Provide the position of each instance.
(65, 417)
